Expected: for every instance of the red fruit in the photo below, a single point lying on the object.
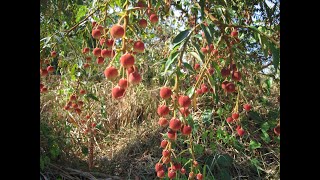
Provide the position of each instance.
(163, 122)
(50, 69)
(234, 33)
(224, 84)
(109, 42)
(85, 50)
(158, 167)
(171, 174)
(234, 67)
(73, 97)
(127, 60)
(44, 90)
(195, 163)
(140, 4)
(96, 52)
(41, 85)
(210, 70)
(80, 103)
(184, 101)
(74, 105)
(229, 119)
(78, 111)
(160, 174)
(100, 60)
(186, 130)
(235, 115)
(102, 41)
(197, 66)
(175, 124)
(88, 59)
(204, 50)
(117, 31)
(172, 134)
(123, 83)
(66, 107)
(191, 175)
(225, 72)
(53, 54)
(100, 28)
(111, 73)
(182, 170)
(135, 78)
(214, 52)
(138, 46)
(107, 53)
(163, 110)
(153, 18)
(197, 77)
(204, 88)
(86, 65)
(199, 176)
(82, 91)
(184, 112)
(118, 92)
(165, 92)
(96, 34)
(247, 107)
(163, 143)
(69, 103)
(143, 23)
(166, 160)
(165, 153)
(176, 166)
(93, 125)
(43, 72)
(240, 131)
(276, 130)
(93, 24)
(199, 91)
(230, 87)
(236, 76)
(130, 70)
(87, 116)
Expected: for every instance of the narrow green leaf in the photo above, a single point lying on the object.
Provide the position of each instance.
(194, 54)
(90, 95)
(188, 66)
(206, 33)
(275, 55)
(81, 12)
(190, 91)
(180, 37)
(199, 52)
(254, 145)
(171, 59)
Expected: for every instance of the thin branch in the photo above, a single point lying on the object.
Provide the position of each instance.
(75, 26)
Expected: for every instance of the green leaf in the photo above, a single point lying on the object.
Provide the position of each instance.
(265, 137)
(171, 59)
(84, 150)
(73, 72)
(275, 56)
(206, 33)
(81, 12)
(206, 116)
(254, 145)
(265, 126)
(90, 95)
(194, 54)
(224, 160)
(269, 83)
(180, 37)
(188, 66)
(255, 116)
(190, 91)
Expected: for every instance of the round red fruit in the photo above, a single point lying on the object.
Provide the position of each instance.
(117, 31)
(163, 122)
(138, 46)
(160, 174)
(123, 83)
(247, 107)
(96, 52)
(171, 174)
(111, 73)
(229, 119)
(96, 34)
(118, 92)
(163, 143)
(85, 50)
(276, 130)
(235, 115)
(43, 72)
(158, 167)
(230, 87)
(135, 78)
(100, 60)
(184, 101)
(50, 69)
(165, 92)
(186, 130)
(204, 88)
(109, 43)
(236, 76)
(184, 112)
(165, 153)
(143, 23)
(196, 66)
(153, 18)
(107, 53)
(175, 124)
(199, 176)
(127, 60)
(225, 72)
(183, 171)
(172, 134)
(163, 110)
